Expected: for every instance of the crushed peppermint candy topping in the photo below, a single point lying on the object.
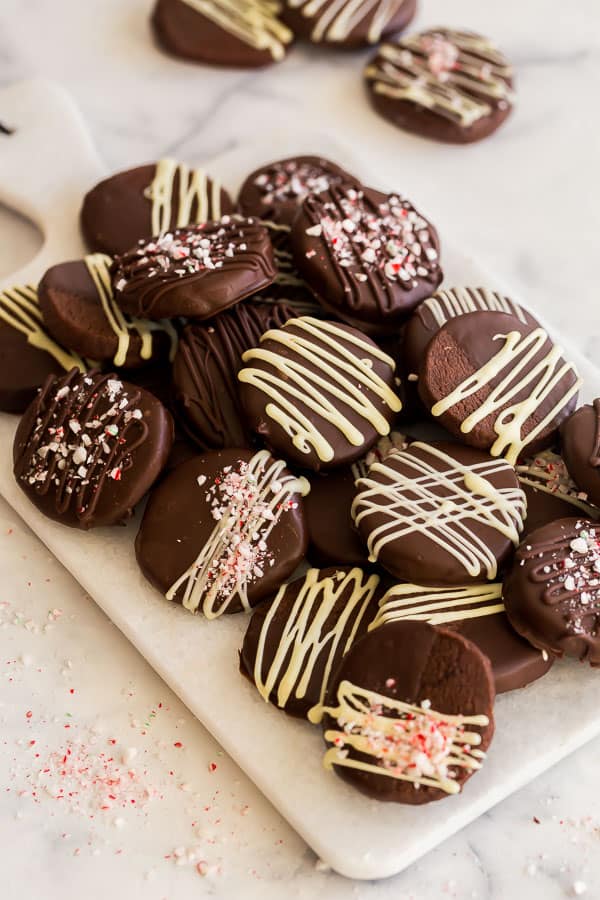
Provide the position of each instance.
(442, 55)
(390, 239)
(293, 180)
(547, 471)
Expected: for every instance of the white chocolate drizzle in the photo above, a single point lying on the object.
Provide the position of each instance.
(254, 22)
(216, 579)
(195, 190)
(457, 75)
(443, 503)
(323, 374)
(20, 309)
(309, 635)
(445, 305)
(409, 743)
(522, 366)
(438, 605)
(121, 324)
(337, 19)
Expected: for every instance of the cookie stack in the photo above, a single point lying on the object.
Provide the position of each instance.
(271, 373)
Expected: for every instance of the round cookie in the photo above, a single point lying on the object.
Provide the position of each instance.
(318, 392)
(580, 437)
(222, 531)
(347, 23)
(440, 514)
(197, 271)
(209, 356)
(295, 643)
(89, 447)
(552, 592)
(498, 384)
(477, 612)
(147, 201)
(277, 190)
(409, 713)
(241, 33)
(550, 491)
(28, 355)
(448, 85)
(369, 257)
(79, 309)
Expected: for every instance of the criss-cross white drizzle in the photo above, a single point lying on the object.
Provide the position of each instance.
(522, 366)
(440, 605)
(337, 19)
(211, 589)
(442, 503)
(194, 188)
(324, 370)
(465, 87)
(20, 309)
(417, 744)
(121, 324)
(309, 635)
(254, 22)
(445, 305)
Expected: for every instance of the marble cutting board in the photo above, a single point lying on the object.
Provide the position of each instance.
(359, 838)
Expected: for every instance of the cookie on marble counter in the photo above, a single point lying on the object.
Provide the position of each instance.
(448, 85)
(240, 33)
(89, 447)
(347, 23)
(148, 201)
(408, 715)
(580, 437)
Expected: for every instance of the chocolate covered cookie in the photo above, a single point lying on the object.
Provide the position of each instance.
(195, 272)
(552, 592)
(448, 85)
(477, 612)
(149, 201)
(438, 514)
(369, 257)
(409, 713)
(28, 355)
(288, 286)
(580, 436)
(244, 33)
(295, 643)
(551, 492)
(498, 384)
(318, 392)
(347, 23)
(89, 447)
(276, 191)
(222, 531)
(205, 386)
(79, 309)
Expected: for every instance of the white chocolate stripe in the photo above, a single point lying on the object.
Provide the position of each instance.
(254, 22)
(19, 308)
(414, 504)
(304, 639)
(337, 19)
(445, 305)
(540, 380)
(438, 606)
(193, 188)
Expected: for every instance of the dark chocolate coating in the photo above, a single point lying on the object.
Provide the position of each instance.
(23, 369)
(171, 277)
(413, 662)
(277, 190)
(116, 213)
(178, 522)
(349, 221)
(552, 592)
(256, 402)
(461, 348)
(74, 315)
(114, 438)
(333, 538)
(299, 619)
(418, 55)
(184, 32)
(417, 553)
(580, 436)
(205, 387)
(359, 35)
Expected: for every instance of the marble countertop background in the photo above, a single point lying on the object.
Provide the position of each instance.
(526, 203)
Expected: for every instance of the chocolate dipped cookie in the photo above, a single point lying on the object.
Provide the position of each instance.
(580, 437)
(347, 23)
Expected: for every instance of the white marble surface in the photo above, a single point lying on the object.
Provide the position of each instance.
(527, 203)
